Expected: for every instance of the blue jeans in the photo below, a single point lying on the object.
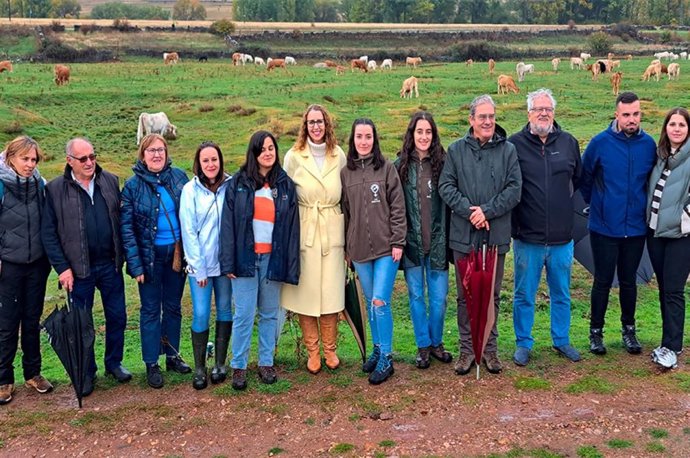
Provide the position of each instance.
(252, 294)
(428, 327)
(161, 310)
(377, 278)
(111, 285)
(529, 260)
(201, 301)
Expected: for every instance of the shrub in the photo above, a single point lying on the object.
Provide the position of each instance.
(205, 108)
(222, 27)
(571, 24)
(666, 36)
(123, 25)
(88, 28)
(13, 128)
(600, 42)
(56, 26)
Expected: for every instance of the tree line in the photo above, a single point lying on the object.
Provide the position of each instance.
(183, 10)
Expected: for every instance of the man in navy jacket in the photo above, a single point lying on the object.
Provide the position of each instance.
(542, 224)
(616, 166)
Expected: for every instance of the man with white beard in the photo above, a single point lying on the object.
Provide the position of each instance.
(542, 224)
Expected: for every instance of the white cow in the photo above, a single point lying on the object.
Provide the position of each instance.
(554, 63)
(289, 60)
(522, 69)
(662, 55)
(259, 61)
(684, 55)
(246, 58)
(371, 65)
(584, 56)
(575, 62)
(387, 63)
(155, 123)
(268, 60)
(673, 71)
(364, 59)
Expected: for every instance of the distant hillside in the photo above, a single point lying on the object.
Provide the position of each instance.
(214, 9)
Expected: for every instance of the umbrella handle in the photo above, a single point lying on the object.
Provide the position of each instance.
(70, 301)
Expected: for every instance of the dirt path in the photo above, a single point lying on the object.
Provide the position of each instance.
(417, 413)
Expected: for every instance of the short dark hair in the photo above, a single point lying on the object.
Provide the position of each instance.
(251, 164)
(352, 153)
(626, 97)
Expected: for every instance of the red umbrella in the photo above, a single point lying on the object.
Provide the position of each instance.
(478, 272)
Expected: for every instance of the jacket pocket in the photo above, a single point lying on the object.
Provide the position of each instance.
(336, 230)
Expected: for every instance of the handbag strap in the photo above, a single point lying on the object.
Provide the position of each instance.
(172, 228)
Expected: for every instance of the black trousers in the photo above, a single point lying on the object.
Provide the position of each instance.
(671, 262)
(22, 292)
(611, 254)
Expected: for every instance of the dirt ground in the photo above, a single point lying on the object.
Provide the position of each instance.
(337, 413)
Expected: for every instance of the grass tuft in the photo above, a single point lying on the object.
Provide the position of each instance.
(658, 433)
(275, 451)
(589, 451)
(340, 380)
(205, 108)
(279, 387)
(619, 443)
(655, 447)
(387, 443)
(591, 384)
(531, 383)
(683, 381)
(342, 448)
(13, 128)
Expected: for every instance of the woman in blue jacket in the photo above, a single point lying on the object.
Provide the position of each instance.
(201, 205)
(150, 228)
(259, 251)
(668, 219)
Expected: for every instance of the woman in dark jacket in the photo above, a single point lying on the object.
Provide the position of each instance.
(425, 258)
(259, 250)
(24, 266)
(150, 229)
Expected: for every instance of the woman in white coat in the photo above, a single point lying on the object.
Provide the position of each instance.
(314, 164)
(201, 206)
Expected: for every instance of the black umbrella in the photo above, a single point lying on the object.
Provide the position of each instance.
(356, 312)
(583, 248)
(71, 334)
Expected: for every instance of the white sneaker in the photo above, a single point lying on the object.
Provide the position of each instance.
(665, 358)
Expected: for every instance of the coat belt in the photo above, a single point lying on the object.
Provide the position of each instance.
(318, 217)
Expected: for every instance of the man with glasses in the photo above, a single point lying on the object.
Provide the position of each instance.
(543, 224)
(81, 235)
(481, 184)
(615, 169)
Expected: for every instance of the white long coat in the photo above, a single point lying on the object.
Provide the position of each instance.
(321, 288)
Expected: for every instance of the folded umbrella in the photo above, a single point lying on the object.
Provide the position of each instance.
(356, 312)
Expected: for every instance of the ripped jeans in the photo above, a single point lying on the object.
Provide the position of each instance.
(377, 278)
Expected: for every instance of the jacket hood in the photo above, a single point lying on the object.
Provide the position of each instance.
(142, 171)
(10, 177)
(614, 132)
(680, 156)
(552, 137)
(198, 184)
(498, 138)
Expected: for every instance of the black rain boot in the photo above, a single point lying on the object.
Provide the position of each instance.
(596, 341)
(223, 332)
(199, 341)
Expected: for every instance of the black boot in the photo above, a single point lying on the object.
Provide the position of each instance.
(199, 341)
(596, 341)
(632, 345)
(223, 332)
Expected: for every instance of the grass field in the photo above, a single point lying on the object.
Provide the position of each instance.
(218, 102)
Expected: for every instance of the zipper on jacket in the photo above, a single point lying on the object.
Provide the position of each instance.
(547, 169)
(28, 219)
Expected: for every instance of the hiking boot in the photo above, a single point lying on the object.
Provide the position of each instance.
(664, 357)
(120, 373)
(632, 345)
(521, 356)
(373, 360)
(464, 363)
(492, 363)
(439, 352)
(267, 374)
(40, 384)
(596, 341)
(176, 364)
(239, 379)
(422, 361)
(384, 369)
(154, 376)
(569, 352)
(6, 393)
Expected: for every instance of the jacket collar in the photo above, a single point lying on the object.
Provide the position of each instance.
(330, 165)
(615, 132)
(142, 171)
(498, 137)
(68, 172)
(681, 156)
(553, 135)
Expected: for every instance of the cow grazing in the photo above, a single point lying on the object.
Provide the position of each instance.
(414, 61)
(244, 58)
(387, 63)
(6, 66)
(236, 58)
(358, 64)
(203, 58)
(364, 59)
(61, 74)
(339, 70)
(330, 63)
(628, 57)
(522, 69)
(598, 68)
(469, 62)
(276, 63)
(662, 55)
(673, 71)
(684, 55)
(289, 60)
(576, 62)
(259, 61)
(652, 70)
(610, 56)
(371, 65)
(555, 62)
(170, 58)
(408, 86)
(616, 82)
(320, 65)
(507, 83)
(584, 56)
(155, 123)
(492, 66)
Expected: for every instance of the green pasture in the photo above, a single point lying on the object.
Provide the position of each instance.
(215, 101)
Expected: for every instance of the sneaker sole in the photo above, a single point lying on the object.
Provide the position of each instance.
(39, 391)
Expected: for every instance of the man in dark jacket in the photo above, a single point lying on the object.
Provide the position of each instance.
(81, 235)
(481, 184)
(615, 169)
(543, 224)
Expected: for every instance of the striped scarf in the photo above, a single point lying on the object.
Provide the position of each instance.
(656, 198)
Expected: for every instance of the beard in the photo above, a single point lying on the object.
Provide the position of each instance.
(540, 129)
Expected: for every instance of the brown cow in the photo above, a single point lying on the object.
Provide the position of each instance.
(61, 74)
(5, 65)
(652, 70)
(414, 61)
(492, 65)
(170, 58)
(276, 63)
(408, 86)
(616, 82)
(356, 63)
(339, 70)
(469, 62)
(330, 63)
(236, 58)
(507, 83)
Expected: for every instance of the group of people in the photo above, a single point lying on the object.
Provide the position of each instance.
(278, 237)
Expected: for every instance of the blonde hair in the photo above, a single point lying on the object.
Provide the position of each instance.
(20, 146)
(147, 141)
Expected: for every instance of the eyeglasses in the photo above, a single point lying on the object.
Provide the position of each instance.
(83, 159)
(547, 110)
(315, 122)
(485, 117)
(154, 151)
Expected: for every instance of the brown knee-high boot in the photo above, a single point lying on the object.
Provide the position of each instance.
(329, 337)
(310, 334)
